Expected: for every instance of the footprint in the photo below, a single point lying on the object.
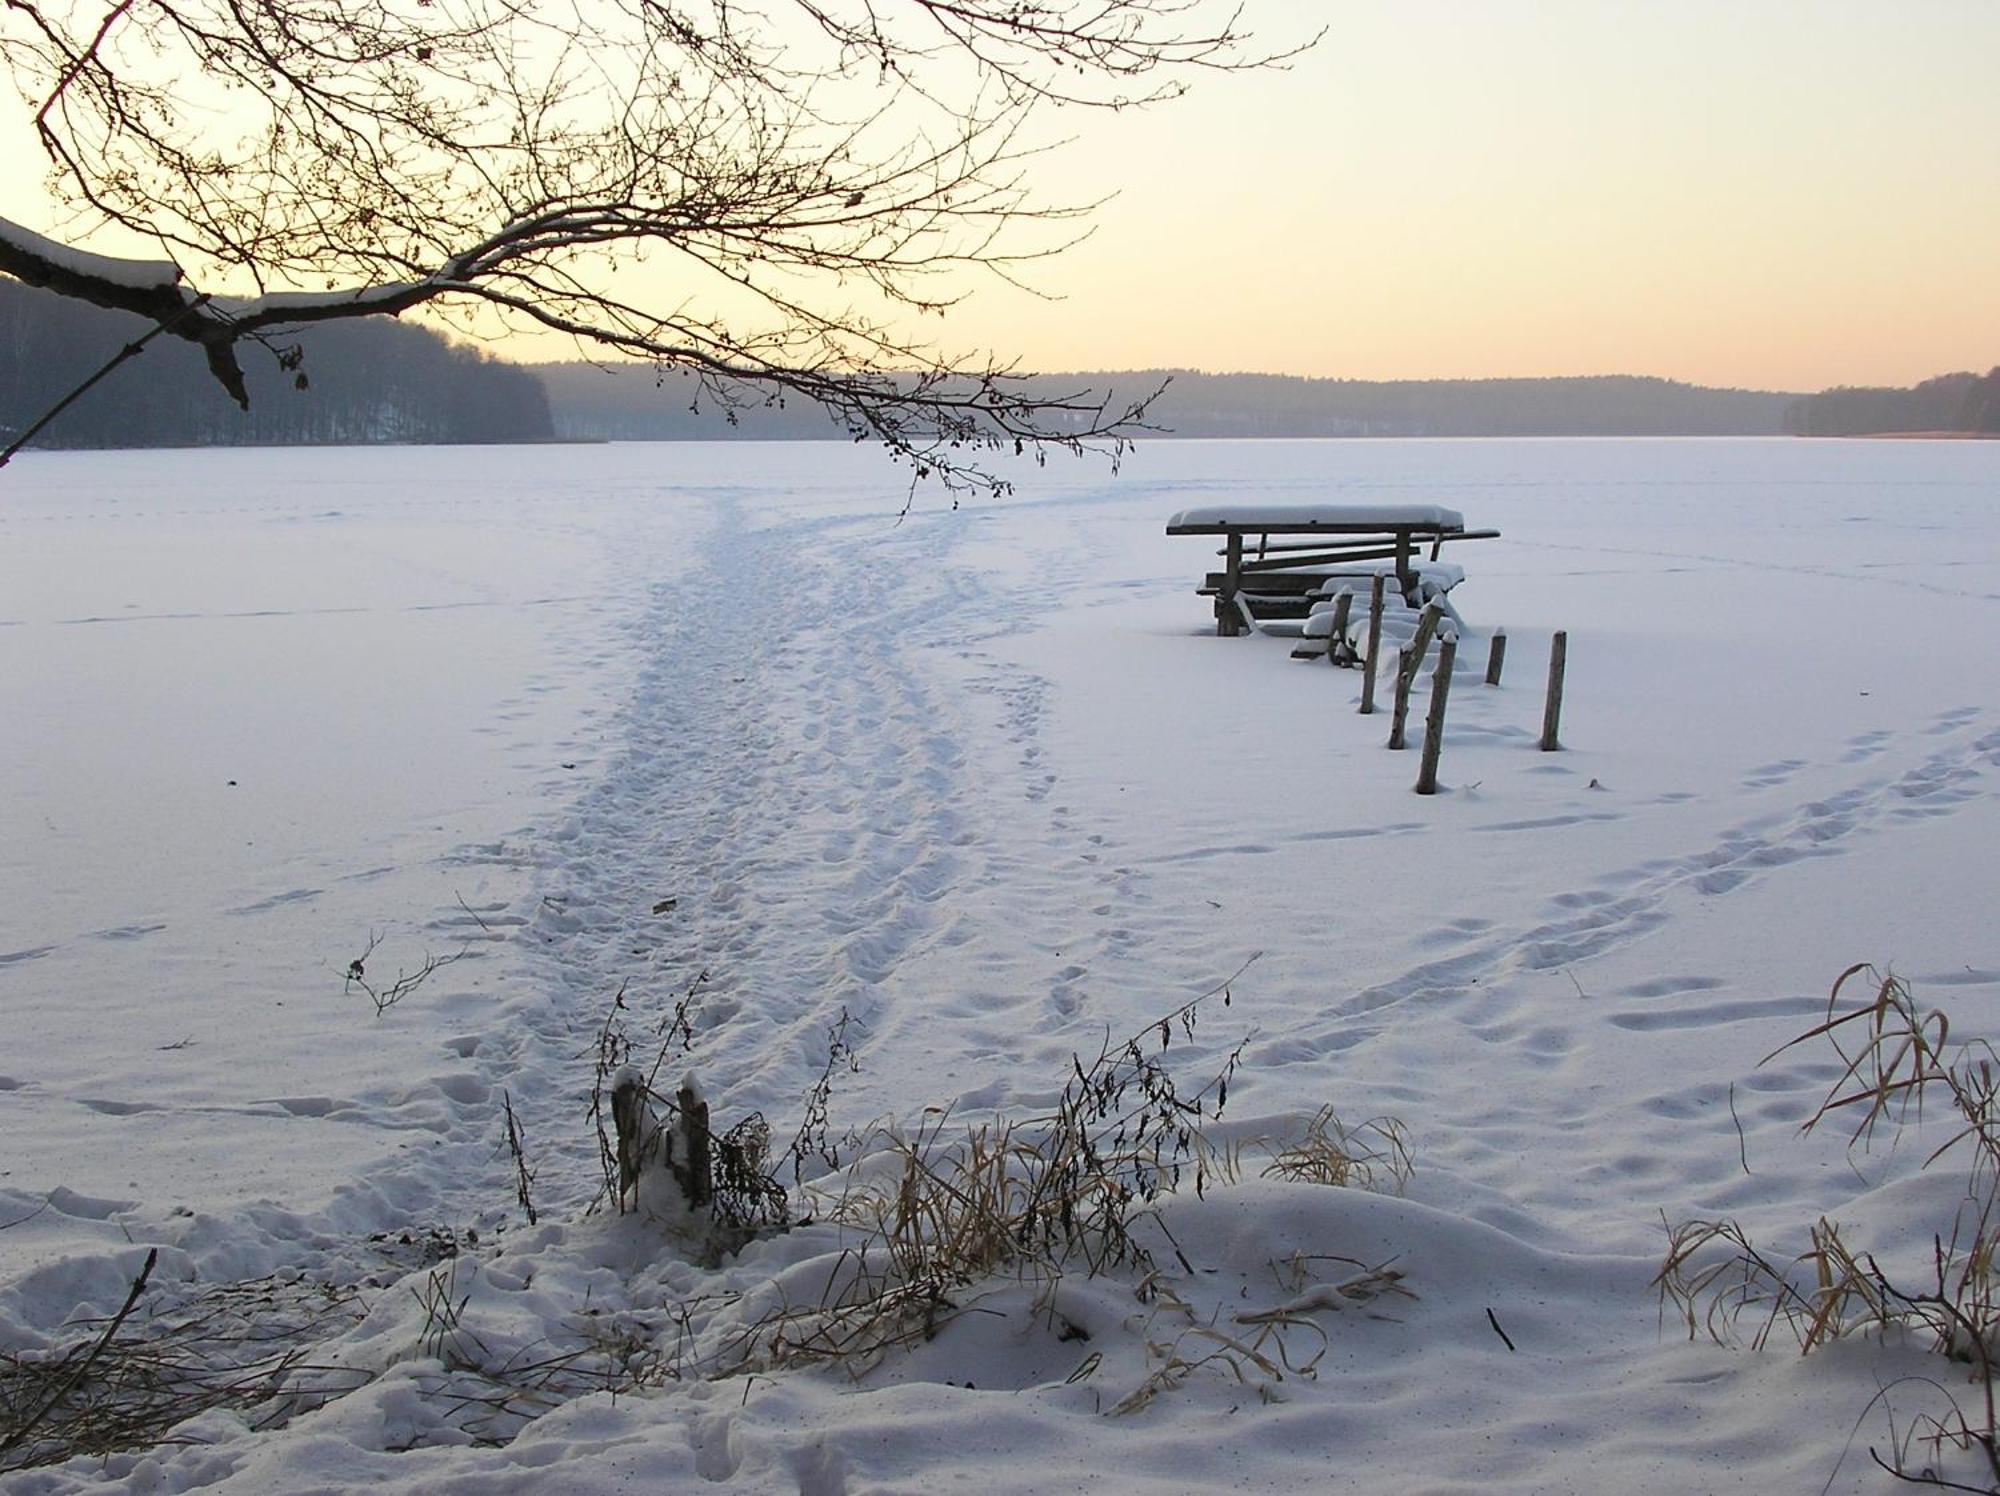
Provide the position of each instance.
(277, 901)
(1669, 986)
(307, 1106)
(1968, 976)
(1741, 1011)
(85, 1207)
(126, 932)
(1547, 823)
(1952, 720)
(118, 1108)
(1765, 775)
(1868, 745)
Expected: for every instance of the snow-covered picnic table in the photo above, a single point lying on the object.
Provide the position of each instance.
(1282, 577)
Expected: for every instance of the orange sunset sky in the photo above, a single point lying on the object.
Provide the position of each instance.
(1780, 194)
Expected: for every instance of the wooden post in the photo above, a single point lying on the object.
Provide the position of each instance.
(1336, 642)
(1552, 712)
(1427, 774)
(1427, 625)
(1399, 713)
(1374, 646)
(1412, 662)
(1406, 577)
(632, 1119)
(1496, 656)
(696, 1179)
(1232, 577)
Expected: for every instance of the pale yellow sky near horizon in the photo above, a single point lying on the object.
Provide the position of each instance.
(1766, 193)
(1778, 194)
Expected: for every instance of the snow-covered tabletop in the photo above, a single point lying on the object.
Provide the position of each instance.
(1338, 519)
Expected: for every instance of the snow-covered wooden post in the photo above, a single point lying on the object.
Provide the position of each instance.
(1399, 707)
(645, 1145)
(1336, 642)
(1412, 662)
(633, 1121)
(1496, 656)
(1553, 710)
(1374, 659)
(1427, 773)
(691, 1161)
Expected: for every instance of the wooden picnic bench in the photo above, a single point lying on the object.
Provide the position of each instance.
(1281, 578)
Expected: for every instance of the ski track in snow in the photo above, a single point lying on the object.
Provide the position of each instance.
(792, 775)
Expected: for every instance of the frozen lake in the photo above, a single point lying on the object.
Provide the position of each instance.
(604, 719)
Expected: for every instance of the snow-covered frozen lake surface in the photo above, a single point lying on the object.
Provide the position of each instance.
(601, 720)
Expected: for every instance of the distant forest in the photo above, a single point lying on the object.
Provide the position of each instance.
(1962, 403)
(378, 380)
(593, 403)
(368, 381)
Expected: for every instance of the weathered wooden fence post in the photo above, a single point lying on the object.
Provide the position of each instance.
(1553, 710)
(1427, 772)
(1336, 642)
(642, 1142)
(1374, 646)
(1496, 656)
(1412, 662)
(696, 1180)
(1400, 702)
(629, 1116)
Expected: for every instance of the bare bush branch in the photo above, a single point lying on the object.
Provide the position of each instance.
(386, 995)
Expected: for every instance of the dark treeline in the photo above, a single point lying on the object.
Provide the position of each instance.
(1608, 405)
(377, 380)
(590, 403)
(374, 380)
(1950, 403)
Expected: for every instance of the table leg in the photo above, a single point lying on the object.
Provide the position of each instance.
(1227, 622)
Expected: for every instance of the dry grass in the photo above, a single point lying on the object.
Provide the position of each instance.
(934, 1219)
(939, 1214)
(1373, 1155)
(1263, 1347)
(489, 1398)
(1896, 1057)
(127, 1382)
(1032, 1199)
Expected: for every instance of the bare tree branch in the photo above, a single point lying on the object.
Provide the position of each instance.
(806, 178)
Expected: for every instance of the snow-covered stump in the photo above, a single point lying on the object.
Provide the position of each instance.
(1427, 772)
(663, 1166)
(1552, 710)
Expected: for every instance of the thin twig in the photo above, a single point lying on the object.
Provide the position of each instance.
(62, 1390)
(130, 350)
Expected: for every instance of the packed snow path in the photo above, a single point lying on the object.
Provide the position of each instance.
(984, 781)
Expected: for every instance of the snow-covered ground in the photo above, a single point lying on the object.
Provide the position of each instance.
(604, 719)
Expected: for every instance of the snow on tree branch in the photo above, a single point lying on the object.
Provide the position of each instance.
(806, 180)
